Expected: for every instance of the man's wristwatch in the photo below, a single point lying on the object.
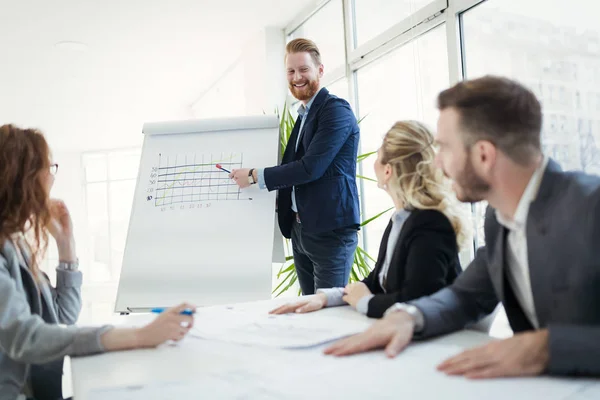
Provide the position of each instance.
(411, 310)
(250, 177)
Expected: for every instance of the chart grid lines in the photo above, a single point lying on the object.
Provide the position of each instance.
(187, 181)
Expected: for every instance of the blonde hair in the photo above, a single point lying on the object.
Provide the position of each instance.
(408, 148)
(301, 45)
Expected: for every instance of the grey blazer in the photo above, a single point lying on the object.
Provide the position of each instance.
(25, 338)
(563, 244)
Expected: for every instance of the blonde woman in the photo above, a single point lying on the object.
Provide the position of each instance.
(419, 250)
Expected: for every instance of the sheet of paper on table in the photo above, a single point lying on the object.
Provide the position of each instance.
(282, 331)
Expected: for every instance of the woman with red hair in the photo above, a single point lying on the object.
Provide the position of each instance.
(32, 344)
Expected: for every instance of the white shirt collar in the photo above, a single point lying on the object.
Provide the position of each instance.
(527, 198)
(303, 109)
(400, 215)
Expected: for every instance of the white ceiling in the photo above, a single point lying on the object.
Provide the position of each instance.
(145, 60)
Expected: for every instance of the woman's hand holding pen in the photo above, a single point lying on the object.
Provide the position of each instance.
(172, 324)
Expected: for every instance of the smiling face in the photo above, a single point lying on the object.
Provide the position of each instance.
(303, 75)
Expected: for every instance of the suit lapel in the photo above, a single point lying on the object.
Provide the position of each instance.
(289, 154)
(406, 230)
(538, 227)
(498, 261)
(499, 276)
(43, 286)
(307, 131)
(11, 251)
(382, 251)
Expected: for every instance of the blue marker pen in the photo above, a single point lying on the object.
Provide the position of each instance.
(184, 312)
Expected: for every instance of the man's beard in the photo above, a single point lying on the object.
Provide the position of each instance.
(306, 92)
(472, 187)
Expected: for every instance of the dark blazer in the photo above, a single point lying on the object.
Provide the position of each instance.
(425, 260)
(323, 170)
(563, 236)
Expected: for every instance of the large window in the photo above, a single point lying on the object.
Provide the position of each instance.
(374, 16)
(400, 85)
(339, 88)
(557, 55)
(109, 184)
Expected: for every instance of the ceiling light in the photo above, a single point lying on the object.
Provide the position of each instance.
(71, 46)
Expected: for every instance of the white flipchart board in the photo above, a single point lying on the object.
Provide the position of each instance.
(193, 234)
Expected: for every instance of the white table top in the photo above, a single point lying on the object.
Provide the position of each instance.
(307, 373)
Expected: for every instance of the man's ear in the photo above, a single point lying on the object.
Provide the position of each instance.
(484, 155)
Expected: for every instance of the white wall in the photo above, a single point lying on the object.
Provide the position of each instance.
(254, 84)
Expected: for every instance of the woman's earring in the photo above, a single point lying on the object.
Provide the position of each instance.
(385, 186)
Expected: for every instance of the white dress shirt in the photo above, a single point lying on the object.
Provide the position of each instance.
(517, 261)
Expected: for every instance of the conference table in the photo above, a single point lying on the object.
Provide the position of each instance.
(218, 368)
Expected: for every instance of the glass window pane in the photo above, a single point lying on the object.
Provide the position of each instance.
(555, 51)
(121, 199)
(339, 88)
(95, 167)
(326, 29)
(400, 85)
(123, 164)
(97, 211)
(373, 17)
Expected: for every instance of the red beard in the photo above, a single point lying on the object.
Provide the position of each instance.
(306, 92)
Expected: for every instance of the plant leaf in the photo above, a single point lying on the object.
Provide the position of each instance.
(290, 274)
(359, 249)
(365, 178)
(283, 271)
(361, 119)
(362, 157)
(288, 286)
(375, 217)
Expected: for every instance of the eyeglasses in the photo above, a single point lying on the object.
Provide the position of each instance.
(53, 169)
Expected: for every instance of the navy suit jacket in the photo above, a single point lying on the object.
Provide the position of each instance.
(323, 169)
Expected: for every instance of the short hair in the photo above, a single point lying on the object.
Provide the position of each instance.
(499, 110)
(301, 45)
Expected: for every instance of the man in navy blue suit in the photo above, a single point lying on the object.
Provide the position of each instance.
(318, 197)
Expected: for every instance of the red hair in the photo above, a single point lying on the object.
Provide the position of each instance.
(24, 197)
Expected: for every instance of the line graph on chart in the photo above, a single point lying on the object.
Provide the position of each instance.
(192, 178)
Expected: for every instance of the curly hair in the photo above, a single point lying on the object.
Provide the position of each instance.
(408, 148)
(24, 197)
